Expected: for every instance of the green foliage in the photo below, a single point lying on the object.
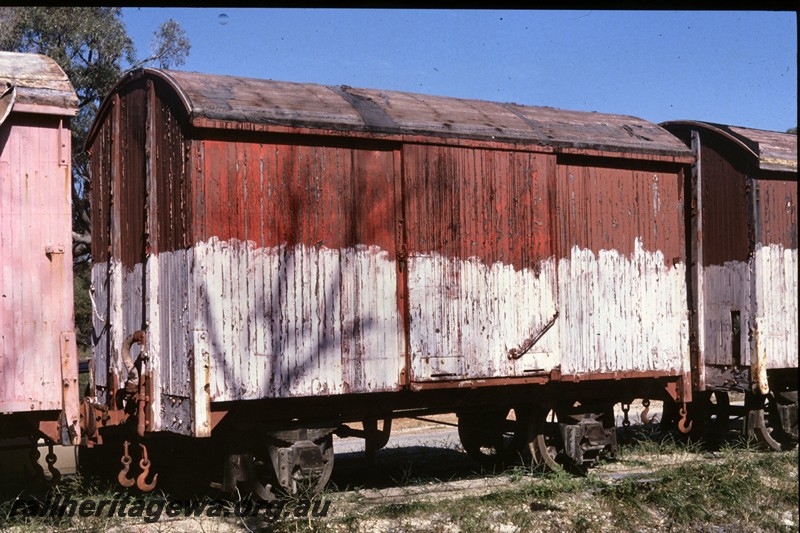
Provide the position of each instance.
(92, 45)
(792, 130)
(83, 308)
(170, 46)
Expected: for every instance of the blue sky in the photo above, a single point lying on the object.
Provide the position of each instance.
(732, 67)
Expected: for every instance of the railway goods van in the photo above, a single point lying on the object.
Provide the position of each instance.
(275, 260)
(38, 355)
(743, 284)
(38, 360)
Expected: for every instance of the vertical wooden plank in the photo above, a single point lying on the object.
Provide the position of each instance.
(28, 267)
(154, 291)
(117, 318)
(5, 302)
(69, 384)
(696, 263)
(401, 247)
(201, 394)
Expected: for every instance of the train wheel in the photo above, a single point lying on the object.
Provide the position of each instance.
(574, 435)
(294, 462)
(488, 437)
(544, 439)
(765, 422)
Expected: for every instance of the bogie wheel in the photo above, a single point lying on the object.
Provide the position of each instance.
(296, 474)
(489, 437)
(764, 421)
(544, 439)
(291, 463)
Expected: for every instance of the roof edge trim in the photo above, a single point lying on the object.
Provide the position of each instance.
(714, 128)
(7, 99)
(127, 78)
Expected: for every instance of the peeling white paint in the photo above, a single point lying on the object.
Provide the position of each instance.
(775, 302)
(764, 291)
(623, 313)
(298, 320)
(466, 316)
(118, 296)
(616, 314)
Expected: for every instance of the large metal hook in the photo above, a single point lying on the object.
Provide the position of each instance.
(643, 417)
(145, 466)
(683, 427)
(122, 477)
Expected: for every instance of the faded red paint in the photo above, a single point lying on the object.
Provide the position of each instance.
(749, 189)
(777, 212)
(276, 193)
(470, 203)
(171, 208)
(607, 205)
(725, 205)
(132, 184)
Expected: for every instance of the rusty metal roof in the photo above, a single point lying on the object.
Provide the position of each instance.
(238, 101)
(772, 149)
(28, 81)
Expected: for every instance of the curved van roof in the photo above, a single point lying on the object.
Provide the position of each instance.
(34, 83)
(228, 102)
(772, 150)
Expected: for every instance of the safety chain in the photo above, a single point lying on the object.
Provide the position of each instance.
(626, 423)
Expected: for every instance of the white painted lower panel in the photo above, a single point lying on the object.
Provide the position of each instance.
(118, 300)
(297, 320)
(467, 316)
(775, 270)
(772, 309)
(622, 313)
(616, 314)
(300, 321)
